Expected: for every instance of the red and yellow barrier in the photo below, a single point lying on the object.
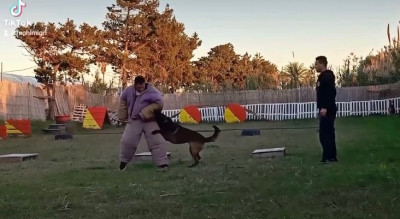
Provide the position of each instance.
(190, 114)
(94, 117)
(19, 127)
(235, 113)
(3, 132)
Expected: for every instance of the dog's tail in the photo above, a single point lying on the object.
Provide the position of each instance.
(214, 136)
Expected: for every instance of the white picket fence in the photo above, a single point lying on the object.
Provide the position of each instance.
(290, 111)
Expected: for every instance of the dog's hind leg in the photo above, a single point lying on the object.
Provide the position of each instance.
(193, 152)
(195, 148)
(201, 162)
(199, 157)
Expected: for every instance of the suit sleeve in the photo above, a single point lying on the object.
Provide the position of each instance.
(123, 106)
(122, 110)
(156, 102)
(124, 94)
(158, 98)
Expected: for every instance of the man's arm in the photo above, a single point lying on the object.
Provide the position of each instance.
(157, 97)
(123, 106)
(156, 104)
(328, 91)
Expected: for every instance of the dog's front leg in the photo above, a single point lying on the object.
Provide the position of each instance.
(195, 163)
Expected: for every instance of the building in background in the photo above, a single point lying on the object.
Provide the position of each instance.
(21, 79)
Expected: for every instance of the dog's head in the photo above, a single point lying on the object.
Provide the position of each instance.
(161, 118)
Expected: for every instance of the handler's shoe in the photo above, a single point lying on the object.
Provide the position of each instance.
(122, 166)
(328, 161)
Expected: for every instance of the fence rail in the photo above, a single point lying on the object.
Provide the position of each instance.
(290, 111)
(19, 101)
(297, 95)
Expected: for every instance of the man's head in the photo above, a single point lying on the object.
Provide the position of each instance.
(140, 83)
(321, 63)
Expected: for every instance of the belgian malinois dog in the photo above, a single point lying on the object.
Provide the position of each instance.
(176, 134)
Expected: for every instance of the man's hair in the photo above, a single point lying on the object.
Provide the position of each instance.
(322, 59)
(139, 80)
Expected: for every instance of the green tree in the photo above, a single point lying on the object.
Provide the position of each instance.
(98, 86)
(167, 60)
(218, 67)
(349, 71)
(266, 73)
(309, 78)
(262, 74)
(129, 26)
(223, 69)
(144, 41)
(59, 53)
(383, 67)
(294, 73)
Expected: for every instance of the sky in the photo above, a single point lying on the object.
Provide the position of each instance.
(274, 28)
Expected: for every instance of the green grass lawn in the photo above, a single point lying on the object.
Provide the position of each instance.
(80, 178)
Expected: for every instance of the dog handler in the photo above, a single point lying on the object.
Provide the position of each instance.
(136, 105)
(326, 103)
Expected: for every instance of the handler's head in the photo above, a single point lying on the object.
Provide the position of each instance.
(321, 63)
(139, 83)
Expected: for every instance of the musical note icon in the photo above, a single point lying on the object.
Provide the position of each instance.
(16, 10)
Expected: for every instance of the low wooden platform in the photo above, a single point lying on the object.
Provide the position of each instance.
(11, 158)
(250, 132)
(58, 126)
(146, 156)
(63, 137)
(52, 131)
(269, 153)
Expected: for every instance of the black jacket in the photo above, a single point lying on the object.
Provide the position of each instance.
(326, 91)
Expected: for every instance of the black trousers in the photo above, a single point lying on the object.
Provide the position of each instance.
(327, 136)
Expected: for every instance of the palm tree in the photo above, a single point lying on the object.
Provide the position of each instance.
(295, 72)
(309, 78)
